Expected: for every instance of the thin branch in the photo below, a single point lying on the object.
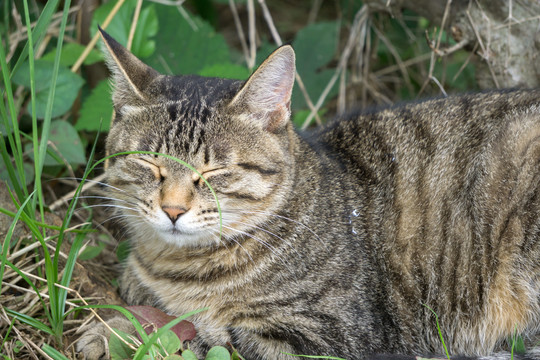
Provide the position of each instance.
(240, 30)
(251, 28)
(485, 51)
(360, 18)
(134, 24)
(95, 39)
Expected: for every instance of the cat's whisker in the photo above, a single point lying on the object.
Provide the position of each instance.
(259, 240)
(121, 216)
(110, 206)
(237, 242)
(287, 243)
(104, 198)
(284, 218)
(105, 185)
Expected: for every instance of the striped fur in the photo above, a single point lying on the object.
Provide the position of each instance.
(334, 242)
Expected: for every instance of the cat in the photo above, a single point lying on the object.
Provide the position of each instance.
(343, 241)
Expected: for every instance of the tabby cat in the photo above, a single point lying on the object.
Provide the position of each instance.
(337, 242)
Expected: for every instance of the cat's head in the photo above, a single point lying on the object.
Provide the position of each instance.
(236, 134)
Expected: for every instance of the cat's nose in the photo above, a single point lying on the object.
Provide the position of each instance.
(173, 212)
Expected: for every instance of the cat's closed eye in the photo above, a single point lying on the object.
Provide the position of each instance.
(158, 171)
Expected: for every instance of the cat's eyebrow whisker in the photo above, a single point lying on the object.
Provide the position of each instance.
(103, 198)
(110, 206)
(103, 184)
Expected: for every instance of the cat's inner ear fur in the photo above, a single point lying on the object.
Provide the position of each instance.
(266, 95)
(131, 76)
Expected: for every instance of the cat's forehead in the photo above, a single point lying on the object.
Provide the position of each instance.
(195, 89)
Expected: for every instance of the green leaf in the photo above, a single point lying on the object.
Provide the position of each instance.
(300, 116)
(71, 52)
(67, 87)
(122, 251)
(97, 109)
(174, 357)
(170, 343)
(183, 49)
(218, 353)
(118, 349)
(315, 45)
(30, 321)
(120, 26)
(92, 251)
(28, 172)
(189, 355)
(67, 142)
(311, 60)
(227, 71)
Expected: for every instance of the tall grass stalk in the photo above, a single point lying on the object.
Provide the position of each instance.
(26, 202)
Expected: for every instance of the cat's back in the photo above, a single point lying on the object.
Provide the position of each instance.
(462, 122)
(452, 188)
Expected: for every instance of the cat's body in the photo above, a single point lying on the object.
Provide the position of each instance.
(337, 242)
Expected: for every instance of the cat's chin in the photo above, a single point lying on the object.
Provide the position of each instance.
(182, 239)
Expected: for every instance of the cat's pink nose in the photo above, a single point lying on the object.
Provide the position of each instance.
(173, 212)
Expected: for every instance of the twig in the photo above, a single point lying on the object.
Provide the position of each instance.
(437, 46)
(396, 56)
(360, 18)
(31, 291)
(314, 11)
(94, 40)
(24, 340)
(277, 40)
(251, 33)
(484, 49)
(240, 30)
(186, 16)
(406, 63)
(96, 315)
(38, 244)
(466, 62)
(86, 186)
(134, 24)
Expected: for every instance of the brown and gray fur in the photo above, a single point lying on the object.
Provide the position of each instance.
(334, 242)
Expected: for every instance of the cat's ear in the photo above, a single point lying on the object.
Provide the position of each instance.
(131, 76)
(266, 95)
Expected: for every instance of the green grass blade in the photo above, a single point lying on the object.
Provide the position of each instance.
(28, 281)
(439, 330)
(39, 31)
(9, 235)
(52, 352)
(32, 101)
(13, 138)
(138, 327)
(39, 153)
(74, 200)
(30, 321)
(68, 270)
